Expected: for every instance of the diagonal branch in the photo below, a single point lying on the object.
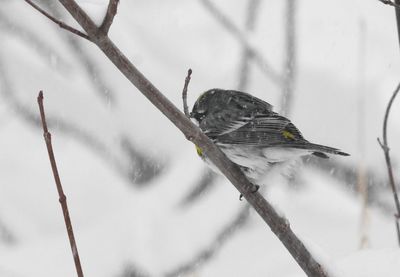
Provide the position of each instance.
(278, 224)
(108, 19)
(58, 22)
(62, 197)
(386, 149)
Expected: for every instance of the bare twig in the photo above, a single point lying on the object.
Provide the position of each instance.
(289, 69)
(235, 31)
(386, 149)
(58, 22)
(62, 197)
(108, 19)
(184, 93)
(278, 224)
(390, 3)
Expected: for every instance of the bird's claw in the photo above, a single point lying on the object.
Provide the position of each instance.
(253, 190)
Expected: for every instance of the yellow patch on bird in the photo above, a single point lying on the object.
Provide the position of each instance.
(199, 151)
(288, 135)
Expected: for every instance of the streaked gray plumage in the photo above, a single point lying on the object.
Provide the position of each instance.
(250, 133)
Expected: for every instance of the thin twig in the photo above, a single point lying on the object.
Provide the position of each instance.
(278, 224)
(58, 22)
(259, 60)
(390, 3)
(184, 93)
(62, 197)
(386, 149)
(108, 19)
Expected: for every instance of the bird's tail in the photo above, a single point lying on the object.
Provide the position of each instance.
(321, 150)
(316, 149)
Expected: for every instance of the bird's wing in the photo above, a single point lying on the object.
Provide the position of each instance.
(263, 130)
(233, 113)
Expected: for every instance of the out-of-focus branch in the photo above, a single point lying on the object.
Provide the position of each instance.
(362, 187)
(278, 224)
(58, 22)
(6, 236)
(235, 31)
(206, 254)
(289, 69)
(110, 14)
(31, 40)
(184, 93)
(136, 168)
(95, 76)
(62, 197)
(244, 68)
(386, 149)
(202, 185)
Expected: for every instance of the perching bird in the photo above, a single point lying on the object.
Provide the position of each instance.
(250, 134)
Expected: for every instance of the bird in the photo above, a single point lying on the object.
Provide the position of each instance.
(251, 134)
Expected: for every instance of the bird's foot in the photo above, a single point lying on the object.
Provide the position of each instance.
(253, 190)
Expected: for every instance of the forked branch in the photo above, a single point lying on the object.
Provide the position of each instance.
(62, 197)
(386, 149)
(108, 19)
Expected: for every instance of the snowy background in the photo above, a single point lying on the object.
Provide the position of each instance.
(142, 203)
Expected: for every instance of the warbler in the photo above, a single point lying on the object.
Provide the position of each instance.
(250, 134)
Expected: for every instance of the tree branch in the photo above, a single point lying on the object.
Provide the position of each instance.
(108, 19)
(184, 93)
(58, 22)
(278, 224)
(62, 197)
(386, 149)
